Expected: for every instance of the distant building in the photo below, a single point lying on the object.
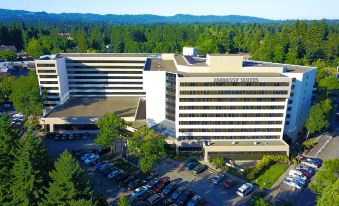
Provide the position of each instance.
(219, 104)
(12, 48)
(65, 34)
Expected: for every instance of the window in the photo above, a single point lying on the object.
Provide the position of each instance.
(289, 108)
(292, 94)
(293, 86)
(287, 123)
(49, 82)
(45, 65)
(288, 116)
(290, 101)
(294, 79)
(48, 76)
(46, 71)
(226, 92)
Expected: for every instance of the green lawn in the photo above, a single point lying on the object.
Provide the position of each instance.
(270, 175)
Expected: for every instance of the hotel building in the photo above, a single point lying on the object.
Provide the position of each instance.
(221, 104)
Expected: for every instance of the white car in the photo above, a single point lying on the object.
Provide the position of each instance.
(310, 164)
(297, 173)
(114, 173)
(296, 179)
(217, 179)
(86, 156)
(139, 191)
(18, 115)
(91, 159)
(292, 184)
(245, 189)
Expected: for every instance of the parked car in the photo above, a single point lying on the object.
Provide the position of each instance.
(245, 189)
(151, 184)
(120, 177)
(296, 179)
(128, 180)
(167, 201)
(114, 173)
(177, 192)
(217, 179)
(228, 184)
(57, 137)
(99, 165)
(185, 197)
(154, 199)
(311, 164)
(77, 136)
(161, 184)
(151, 175)
(169, 188)
(91, 159)
(316, 160)
(146, 195)
(64, 137)
(297, 173)
(293, 184)
(85, 136)
(86, 156)
(196, 200)
(306, 172)
(191, 164)
(136, 183)
(199, 169)
(310, 170)
(139, 191)
(71, 137)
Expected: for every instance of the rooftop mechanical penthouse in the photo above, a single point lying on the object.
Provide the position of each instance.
(221, 104)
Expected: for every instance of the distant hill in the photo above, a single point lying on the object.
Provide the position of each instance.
(7, 16)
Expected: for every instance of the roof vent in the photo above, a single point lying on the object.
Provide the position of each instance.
(234, 142)
(255, 143)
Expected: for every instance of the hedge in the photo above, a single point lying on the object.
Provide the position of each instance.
(253, 172)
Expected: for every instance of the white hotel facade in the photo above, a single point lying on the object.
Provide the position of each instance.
(221, 104)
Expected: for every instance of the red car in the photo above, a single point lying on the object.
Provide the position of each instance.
(162, 184)
(306, 173)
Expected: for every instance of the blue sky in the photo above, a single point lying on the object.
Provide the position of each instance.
(272, 9)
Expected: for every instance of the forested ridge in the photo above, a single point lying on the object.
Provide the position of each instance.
(301, 42)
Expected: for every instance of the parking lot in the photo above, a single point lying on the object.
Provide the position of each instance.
(200, 184)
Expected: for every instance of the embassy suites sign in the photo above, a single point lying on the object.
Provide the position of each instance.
(235, 79)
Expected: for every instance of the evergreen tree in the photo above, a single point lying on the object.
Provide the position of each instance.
(68, 183)
(82, 42)
(30, 171)
(8, 142)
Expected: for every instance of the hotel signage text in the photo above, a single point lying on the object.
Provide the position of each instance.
(233, 79)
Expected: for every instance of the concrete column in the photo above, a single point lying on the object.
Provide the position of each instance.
(51, 127)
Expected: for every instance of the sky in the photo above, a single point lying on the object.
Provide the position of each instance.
(271, 9)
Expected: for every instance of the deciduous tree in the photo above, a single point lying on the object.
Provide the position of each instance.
(148, 146)
(111, 126)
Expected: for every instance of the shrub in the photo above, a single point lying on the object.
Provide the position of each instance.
(309, 144)
(218, 161)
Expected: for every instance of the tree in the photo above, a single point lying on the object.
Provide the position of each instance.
(8, 142)
(6, 84)
(81, 202)
(82, 43)
(26, 97)
(326, 183)
(148, 146)
(329, 83)
(68, 182)
(111, 126)
(34, 48)
(123, 201)
(318, 116)
(8, 55)
(218, 161)
(30, 171)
